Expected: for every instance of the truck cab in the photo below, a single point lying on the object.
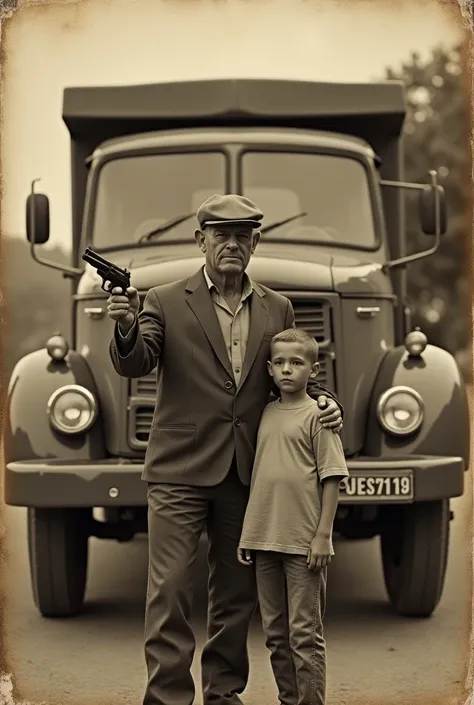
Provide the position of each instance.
(324, 163)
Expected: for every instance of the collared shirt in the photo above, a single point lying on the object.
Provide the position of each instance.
(234, 326)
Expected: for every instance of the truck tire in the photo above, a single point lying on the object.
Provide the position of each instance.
(58, 554)
(414, 545)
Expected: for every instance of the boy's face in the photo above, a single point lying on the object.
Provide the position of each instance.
(291, 367)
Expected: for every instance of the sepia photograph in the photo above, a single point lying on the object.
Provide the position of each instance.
(236, 352)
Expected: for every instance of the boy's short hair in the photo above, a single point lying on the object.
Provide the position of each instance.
(298, 335)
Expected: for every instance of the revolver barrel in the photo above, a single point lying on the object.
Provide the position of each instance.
(94, 258)
(108, 271)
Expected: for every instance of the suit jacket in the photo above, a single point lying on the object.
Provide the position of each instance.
(201, 419)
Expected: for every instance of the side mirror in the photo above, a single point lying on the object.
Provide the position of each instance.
(37, 218)
(427, 209)
(37, 230)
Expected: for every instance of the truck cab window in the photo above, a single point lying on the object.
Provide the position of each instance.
(137, 194)
(333, 191)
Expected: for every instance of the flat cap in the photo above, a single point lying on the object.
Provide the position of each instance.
(229, 210)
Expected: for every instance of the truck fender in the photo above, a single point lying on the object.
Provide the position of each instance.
(28, 433)
(437, 378)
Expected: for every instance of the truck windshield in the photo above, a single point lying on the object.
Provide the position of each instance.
(135, 195)
(333, 191)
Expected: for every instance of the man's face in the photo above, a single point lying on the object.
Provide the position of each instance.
(227, 248)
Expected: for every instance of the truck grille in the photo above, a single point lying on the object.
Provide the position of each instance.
(325, 375)
(312, 315)
(143, 419)
(146, 386)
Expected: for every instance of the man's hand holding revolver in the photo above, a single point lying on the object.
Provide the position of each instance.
(123, 308)
(124, 303)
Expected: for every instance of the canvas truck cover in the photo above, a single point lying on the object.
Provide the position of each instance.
(371, 111)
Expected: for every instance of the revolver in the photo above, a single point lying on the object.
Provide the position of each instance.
(108, 271)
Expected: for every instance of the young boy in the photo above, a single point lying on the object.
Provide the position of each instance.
(289, 519)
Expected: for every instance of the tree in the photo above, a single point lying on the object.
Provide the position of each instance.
(437, 137)
(36, 304)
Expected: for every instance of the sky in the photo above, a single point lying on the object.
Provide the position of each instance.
(99, 42)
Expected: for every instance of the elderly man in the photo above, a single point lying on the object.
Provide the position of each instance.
(209, 337)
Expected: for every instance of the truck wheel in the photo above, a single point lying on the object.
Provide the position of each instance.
(58, 552)
(414, 546)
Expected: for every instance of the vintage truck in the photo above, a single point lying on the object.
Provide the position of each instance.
(324, 162)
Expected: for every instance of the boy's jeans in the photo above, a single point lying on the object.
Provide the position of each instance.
(292, 605)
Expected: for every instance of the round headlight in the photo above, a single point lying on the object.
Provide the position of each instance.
(400, 411)
(72, 409)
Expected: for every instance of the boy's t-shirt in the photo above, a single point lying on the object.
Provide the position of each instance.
(294, 454)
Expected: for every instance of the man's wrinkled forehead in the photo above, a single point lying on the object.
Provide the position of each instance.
(229, 230)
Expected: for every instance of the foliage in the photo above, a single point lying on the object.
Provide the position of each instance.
(437, 137)
(36, 301)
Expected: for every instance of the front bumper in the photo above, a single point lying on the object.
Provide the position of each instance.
(117, 482)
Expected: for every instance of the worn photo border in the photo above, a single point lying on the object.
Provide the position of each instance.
(10, 689)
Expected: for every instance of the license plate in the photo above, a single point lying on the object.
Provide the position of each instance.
(377, 486)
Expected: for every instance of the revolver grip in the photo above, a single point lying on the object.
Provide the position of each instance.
(122, 281)
(107, 289)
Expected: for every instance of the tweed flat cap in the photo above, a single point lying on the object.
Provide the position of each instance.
(229, 210)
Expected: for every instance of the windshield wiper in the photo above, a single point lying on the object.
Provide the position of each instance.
(273, 226)
(165, 227)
